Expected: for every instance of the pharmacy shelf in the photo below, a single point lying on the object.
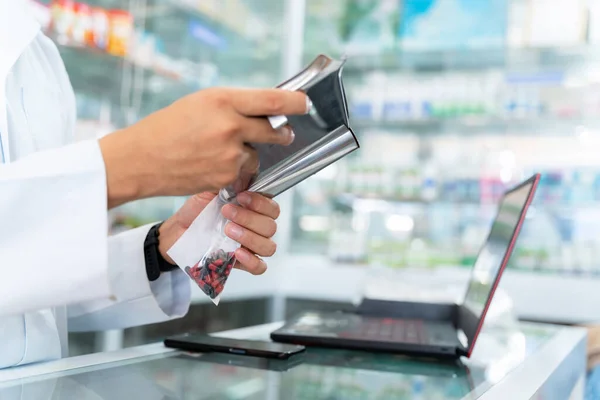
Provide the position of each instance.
(240, 43)
(87, 69)
(351, 199)
(473, 59)
(191, 62)
(225, 23)
(178, 9)
(477, 125)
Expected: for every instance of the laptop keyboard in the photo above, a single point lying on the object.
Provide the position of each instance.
(393, 330)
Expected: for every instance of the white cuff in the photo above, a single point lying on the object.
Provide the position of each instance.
(136, 300)
(127, 265)
(129, 280)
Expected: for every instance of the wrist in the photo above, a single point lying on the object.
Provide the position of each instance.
(155, 262)
(166, 234)
(126, 168)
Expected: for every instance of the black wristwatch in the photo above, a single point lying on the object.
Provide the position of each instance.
(155, 263)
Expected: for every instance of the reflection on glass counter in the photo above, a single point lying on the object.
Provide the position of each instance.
(322, 374)
(316, 374)
(367, 376)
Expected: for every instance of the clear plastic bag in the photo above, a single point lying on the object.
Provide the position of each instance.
(206, 236)
(213, 269)
(210, 273)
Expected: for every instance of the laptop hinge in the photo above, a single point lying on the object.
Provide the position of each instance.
(366, 305)
(407, 309)
(461, 351)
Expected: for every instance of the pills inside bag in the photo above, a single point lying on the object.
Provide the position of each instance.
(210, 273)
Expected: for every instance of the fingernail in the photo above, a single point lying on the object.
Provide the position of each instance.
(243, 256)
(244, 199)
(309, 105)
(262, 268)
(286, 133)
(235, 232)
(245, 157)
(229, 211)
(238, 185)
(290, 134)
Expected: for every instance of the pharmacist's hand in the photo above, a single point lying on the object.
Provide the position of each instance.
(197, 144)
(252, 225)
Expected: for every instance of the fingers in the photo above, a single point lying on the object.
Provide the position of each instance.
(254, 242)
(250, 164)
(247, 170)
(259, 203)
(259, 130)
(252, 226)
(268, 102)
(258, 223)
(249, 262)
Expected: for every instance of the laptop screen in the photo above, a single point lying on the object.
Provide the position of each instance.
(494, 256)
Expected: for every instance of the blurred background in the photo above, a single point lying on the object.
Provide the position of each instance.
(453, 101)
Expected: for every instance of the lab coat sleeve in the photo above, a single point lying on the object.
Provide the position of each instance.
(140, 301)
(53, 229)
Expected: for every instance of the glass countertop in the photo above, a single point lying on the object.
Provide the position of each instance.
(317, 374)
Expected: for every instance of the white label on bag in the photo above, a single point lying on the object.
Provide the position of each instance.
(197, 239)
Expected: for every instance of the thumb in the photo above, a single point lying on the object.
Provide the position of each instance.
(203, 198)
(193, 207)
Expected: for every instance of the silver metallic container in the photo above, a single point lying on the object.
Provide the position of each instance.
(323, 136)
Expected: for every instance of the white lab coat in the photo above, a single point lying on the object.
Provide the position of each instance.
(54, 250)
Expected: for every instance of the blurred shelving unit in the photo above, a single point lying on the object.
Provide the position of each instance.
(450, 114)
(127, 59)
(474, 60)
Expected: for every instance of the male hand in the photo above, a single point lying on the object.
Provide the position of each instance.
(199, 143)
(251, 225)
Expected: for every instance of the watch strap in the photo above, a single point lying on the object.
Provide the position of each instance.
(155, 262)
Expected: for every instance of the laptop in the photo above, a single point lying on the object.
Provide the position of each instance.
(423, 329)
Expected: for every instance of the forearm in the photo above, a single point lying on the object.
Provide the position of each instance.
(128, 168)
